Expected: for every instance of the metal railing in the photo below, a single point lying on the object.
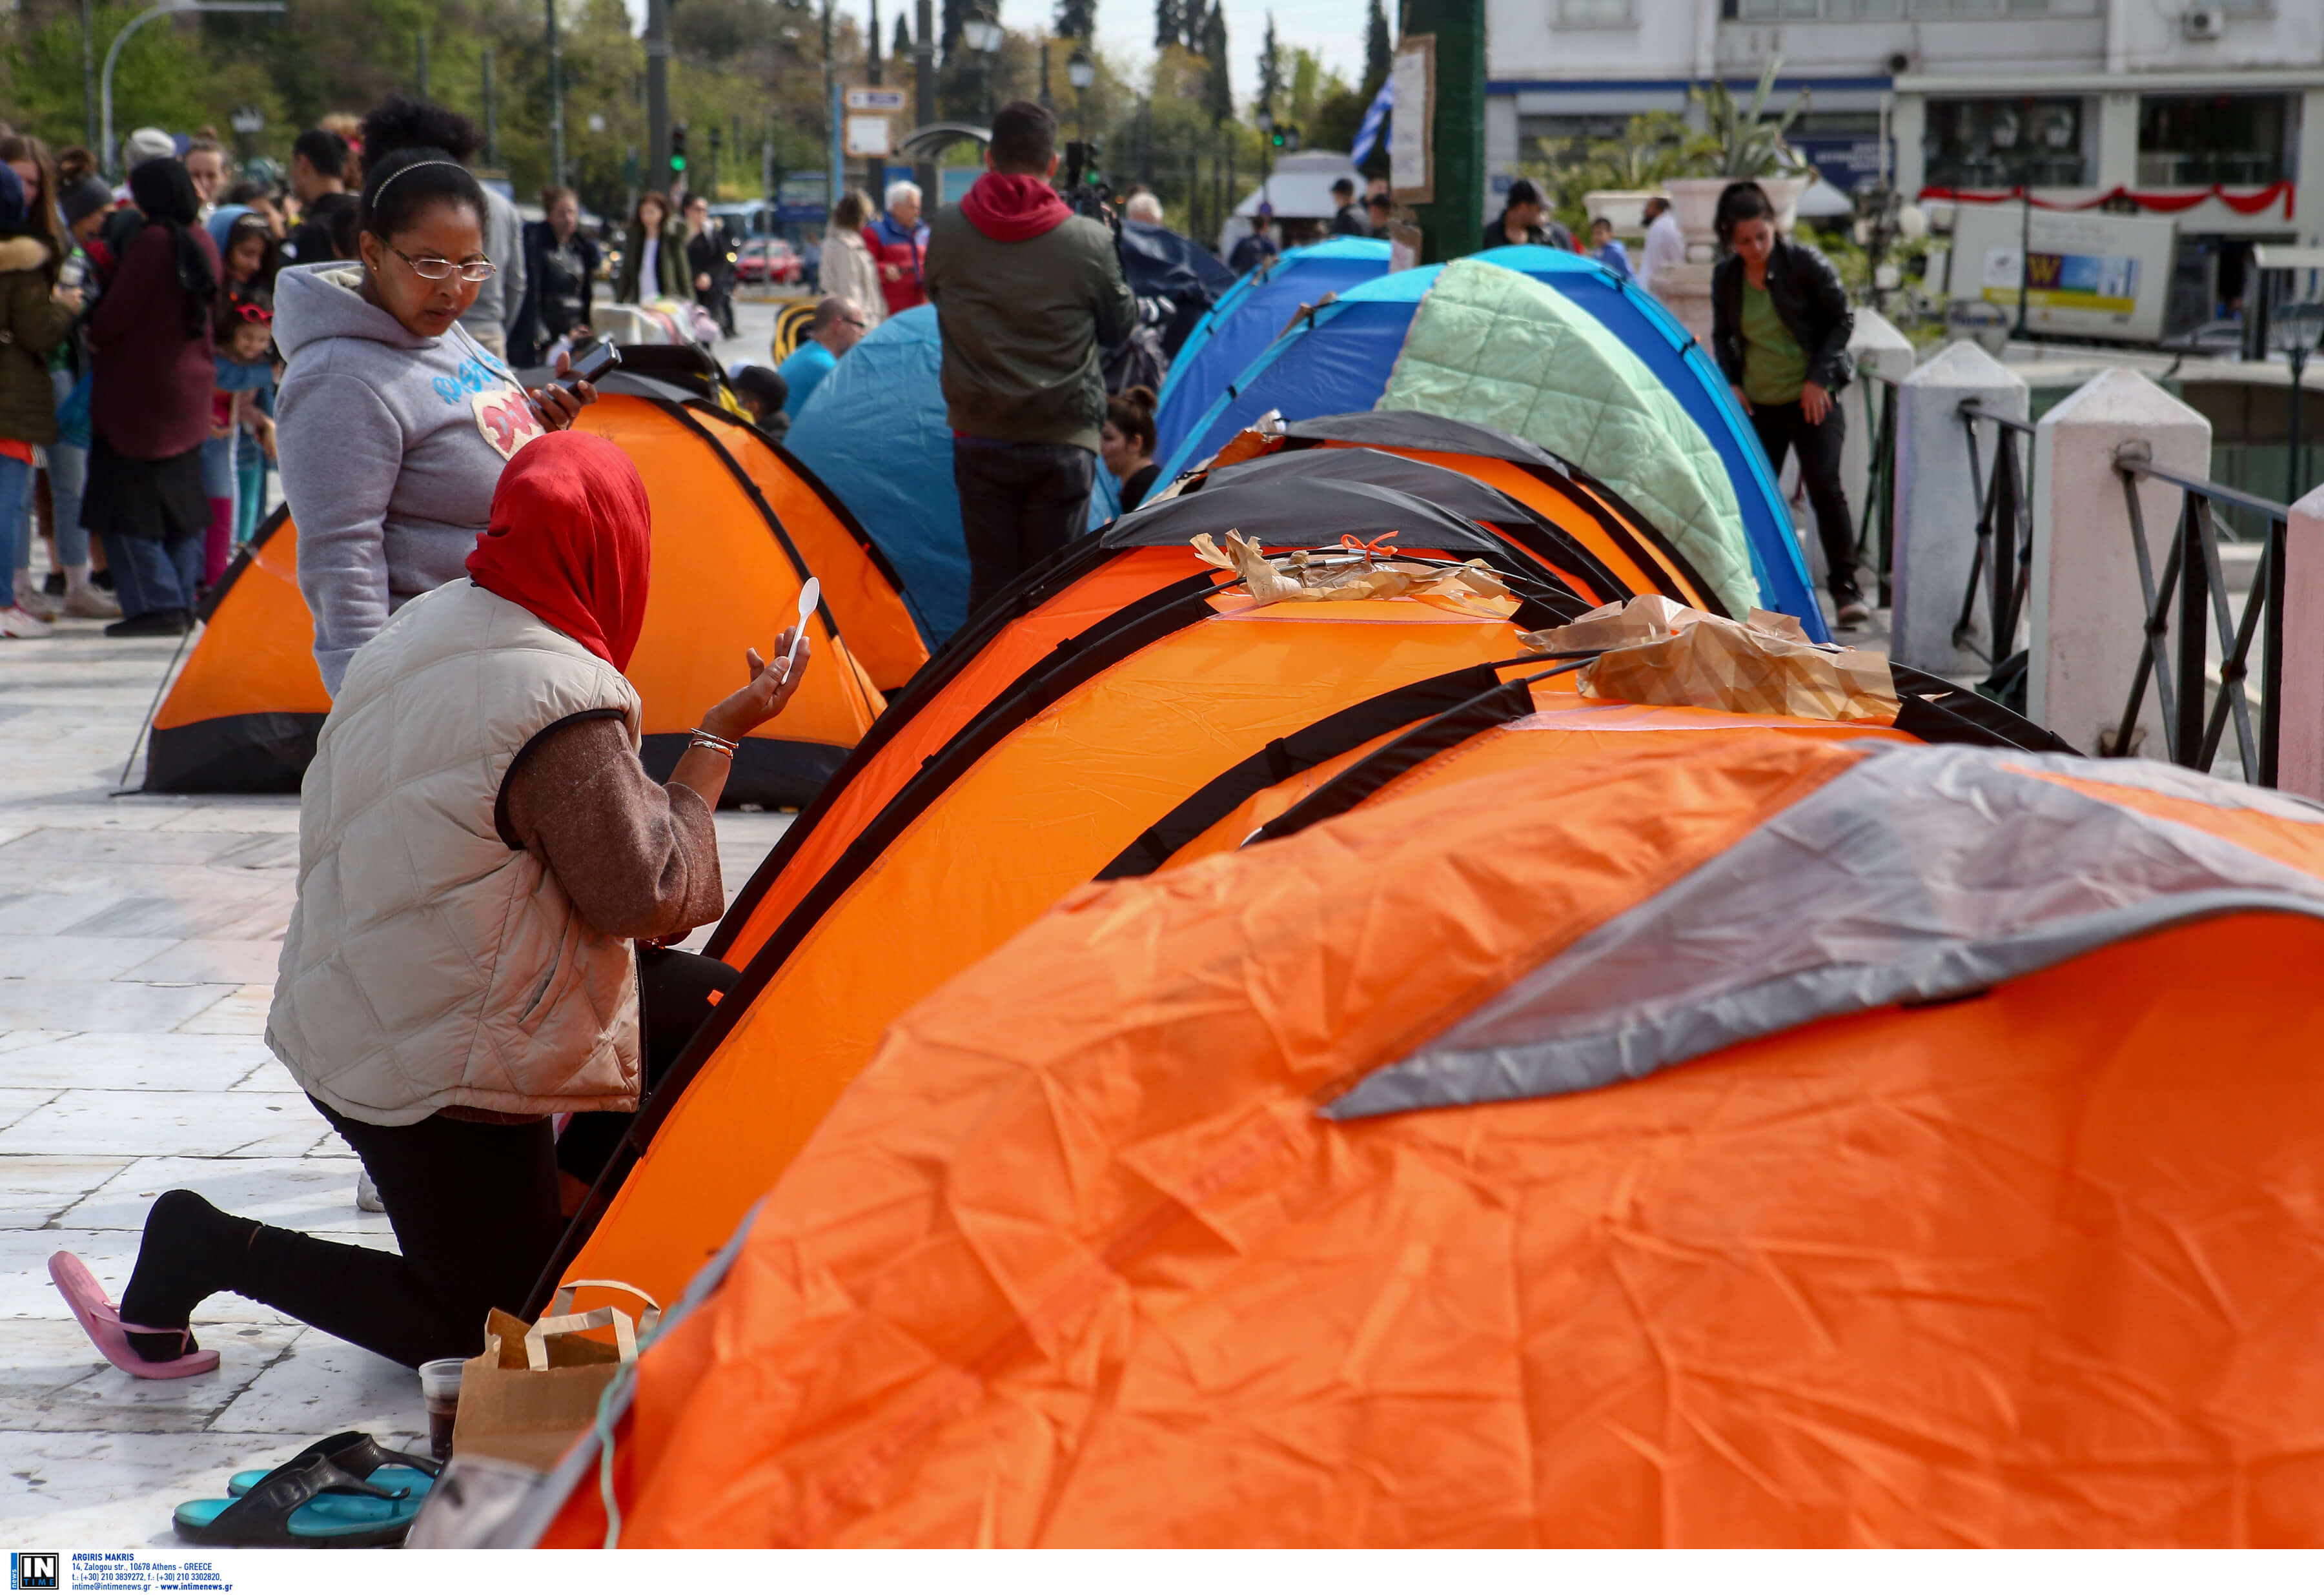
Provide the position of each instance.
(2003, 562)
(1876, 531)
(2185, 609)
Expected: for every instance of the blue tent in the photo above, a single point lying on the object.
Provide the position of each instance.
(1247, 319)
(1340, 359)
(874, 431)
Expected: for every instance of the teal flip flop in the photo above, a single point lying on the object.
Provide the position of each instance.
(361, 1455)
(288, 1507)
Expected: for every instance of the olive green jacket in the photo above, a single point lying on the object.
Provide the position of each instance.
(32, 324)
(1025, 329)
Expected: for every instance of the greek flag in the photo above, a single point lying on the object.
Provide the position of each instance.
(1375, 118)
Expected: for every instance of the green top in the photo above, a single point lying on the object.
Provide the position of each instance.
(1773, 364)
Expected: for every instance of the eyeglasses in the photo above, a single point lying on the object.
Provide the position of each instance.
(435, 268)
(853, 322)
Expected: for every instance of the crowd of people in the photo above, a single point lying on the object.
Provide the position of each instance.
(144, 404)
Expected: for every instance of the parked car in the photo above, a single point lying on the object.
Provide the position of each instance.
(766, 260)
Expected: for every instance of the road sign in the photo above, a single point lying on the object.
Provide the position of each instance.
(867, 135)
(875, 99)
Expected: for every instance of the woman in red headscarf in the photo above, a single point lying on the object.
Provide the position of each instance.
(478, 849)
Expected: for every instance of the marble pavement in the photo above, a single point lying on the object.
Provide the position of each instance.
(138, 938)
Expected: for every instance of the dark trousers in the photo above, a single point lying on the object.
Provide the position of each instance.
(474, 1207)
(1019, 504)
(149, 574)
(1782, 427)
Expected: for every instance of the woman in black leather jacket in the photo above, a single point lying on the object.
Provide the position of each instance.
(1780, 324)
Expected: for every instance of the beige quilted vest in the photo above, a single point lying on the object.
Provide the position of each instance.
(428, 964)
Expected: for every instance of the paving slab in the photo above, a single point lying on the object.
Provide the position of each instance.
(139, 938)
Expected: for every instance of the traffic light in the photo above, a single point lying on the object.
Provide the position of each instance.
(678, 148)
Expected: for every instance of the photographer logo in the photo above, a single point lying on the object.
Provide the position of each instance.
(35, 1569)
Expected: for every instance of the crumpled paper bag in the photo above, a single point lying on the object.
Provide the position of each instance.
(1304, 576)
(1656, 652)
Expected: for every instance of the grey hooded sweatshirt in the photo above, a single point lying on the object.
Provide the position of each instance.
(390, 447)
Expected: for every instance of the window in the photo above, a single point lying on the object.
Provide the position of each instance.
(1941, 11)
(1545, 138)
(1829, 11)
(1999, 143)
(2196, 140)
(1594, 13)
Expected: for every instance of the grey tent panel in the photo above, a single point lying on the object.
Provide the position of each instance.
(1447, 490)
(1919, 873)
(1413, 429)
(1296, 512)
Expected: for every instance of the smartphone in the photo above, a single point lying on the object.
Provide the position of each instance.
(591, 362)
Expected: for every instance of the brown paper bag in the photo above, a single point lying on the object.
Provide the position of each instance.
(1662, 652)
(535, 1387)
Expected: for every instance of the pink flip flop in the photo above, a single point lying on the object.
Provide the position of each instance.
(102, 1319)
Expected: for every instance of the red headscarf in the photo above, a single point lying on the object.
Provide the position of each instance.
(570, 541)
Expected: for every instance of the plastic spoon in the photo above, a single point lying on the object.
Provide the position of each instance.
(809, 597)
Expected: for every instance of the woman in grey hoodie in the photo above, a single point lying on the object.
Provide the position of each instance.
(394, 424)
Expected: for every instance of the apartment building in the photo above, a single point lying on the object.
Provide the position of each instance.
(2211, 111)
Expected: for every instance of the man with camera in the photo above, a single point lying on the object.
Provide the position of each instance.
(1027, 295)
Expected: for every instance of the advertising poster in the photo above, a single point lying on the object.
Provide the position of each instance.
(2086, 274)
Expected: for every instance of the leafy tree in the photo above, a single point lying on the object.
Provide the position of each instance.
(1169, 23)
(1379, 50)
(1076, 19)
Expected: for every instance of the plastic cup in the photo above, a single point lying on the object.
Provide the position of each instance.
(439, 1386)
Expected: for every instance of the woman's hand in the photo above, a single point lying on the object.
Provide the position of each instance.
(69, 298)
(1740, 400)
(1814, 403)
(558, 405)
(771, 688)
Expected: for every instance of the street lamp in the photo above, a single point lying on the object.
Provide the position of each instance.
(1081, 72)
(984, 36)
(113, 54)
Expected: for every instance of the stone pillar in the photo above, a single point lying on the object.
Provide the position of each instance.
(2300, 728)
(2116, 164)
(1880, 350)
(1685, 291)
(2088, 614)
(2309, 196)
(1937, 498)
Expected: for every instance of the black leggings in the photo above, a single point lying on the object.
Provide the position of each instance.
(1782, 427)
(474, 1208)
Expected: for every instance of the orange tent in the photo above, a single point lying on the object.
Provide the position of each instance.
(1044, 738)
(243, 714)
(1774, 1140)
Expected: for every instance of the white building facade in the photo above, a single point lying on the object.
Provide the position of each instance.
(2211, 111)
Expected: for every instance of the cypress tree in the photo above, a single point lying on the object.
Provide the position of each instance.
(1377, 50)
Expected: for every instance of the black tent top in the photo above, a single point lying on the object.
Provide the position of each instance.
(1157, 262)
(1301, 511)
(1450, 490)
(1413, 428)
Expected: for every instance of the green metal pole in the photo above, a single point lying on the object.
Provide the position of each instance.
(1453, 224)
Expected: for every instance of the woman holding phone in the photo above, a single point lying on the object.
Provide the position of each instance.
(479, 852)
(394, 424)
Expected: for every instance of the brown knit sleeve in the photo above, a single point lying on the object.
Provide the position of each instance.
(638, 859)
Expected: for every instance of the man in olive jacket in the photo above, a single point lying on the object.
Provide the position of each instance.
(1027, 297)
